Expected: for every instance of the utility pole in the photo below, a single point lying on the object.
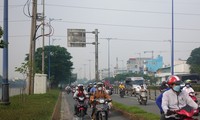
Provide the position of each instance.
(84, 71)
(32, 48)
(139, 61)
(96, 55)
(43, 38)
(5, 84)
(89, 69)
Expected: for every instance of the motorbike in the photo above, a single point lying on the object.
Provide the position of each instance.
(73, 91)
(186, 113)
(142, 98)
(101, 109)
(122, 92)
(193, 96)
(68, 91)
(81, 107)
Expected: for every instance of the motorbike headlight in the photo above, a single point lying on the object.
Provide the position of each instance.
(101, 100)
(81, 98)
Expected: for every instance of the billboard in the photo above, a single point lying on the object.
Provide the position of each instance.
(76, 38)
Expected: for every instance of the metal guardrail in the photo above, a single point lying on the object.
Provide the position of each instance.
(152, 94)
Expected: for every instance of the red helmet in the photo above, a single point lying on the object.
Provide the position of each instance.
(173, 79)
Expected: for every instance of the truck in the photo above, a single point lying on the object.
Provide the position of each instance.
(134, 84)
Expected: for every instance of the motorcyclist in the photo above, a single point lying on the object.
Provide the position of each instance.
(89, 87)
(93, 89)
(188, 87)
(80, 92)
(159, 99)
(121, 87)
(174, 99)
(163, 86)
(99, 93)
(68, 88)
(142, 90)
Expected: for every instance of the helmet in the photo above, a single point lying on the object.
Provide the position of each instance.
(80, 85)
(188, 81)
(173, 80)
(99, 84)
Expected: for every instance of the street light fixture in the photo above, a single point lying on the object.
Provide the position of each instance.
(49, 61)
(108, 54)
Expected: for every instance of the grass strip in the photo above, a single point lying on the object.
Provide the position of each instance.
(30, 107)
(135, 112)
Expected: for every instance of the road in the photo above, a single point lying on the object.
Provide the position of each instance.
(112, 116)
(132, 101)
(151, 106)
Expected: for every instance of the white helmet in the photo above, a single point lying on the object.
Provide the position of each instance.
(80, 85)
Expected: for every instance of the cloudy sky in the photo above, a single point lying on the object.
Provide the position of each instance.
(134, 26)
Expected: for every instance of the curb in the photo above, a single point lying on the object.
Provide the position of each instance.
(127, 114)
(56, 111)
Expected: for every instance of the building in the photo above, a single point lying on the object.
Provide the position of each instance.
(180, 67)
(135, 65)
(152, 65)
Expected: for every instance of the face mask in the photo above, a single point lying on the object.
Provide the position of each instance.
(177, 88)
(99, 88)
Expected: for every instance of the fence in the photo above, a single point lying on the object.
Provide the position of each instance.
(14, 91)
(152, 93)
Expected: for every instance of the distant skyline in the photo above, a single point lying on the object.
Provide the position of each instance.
(134, 26)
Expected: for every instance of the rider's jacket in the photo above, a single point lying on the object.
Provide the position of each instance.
(80, 93)
(99, 94)
(188, 89)
(121, 86)
(172, 101)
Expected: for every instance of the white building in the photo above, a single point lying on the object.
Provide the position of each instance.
(180, 67)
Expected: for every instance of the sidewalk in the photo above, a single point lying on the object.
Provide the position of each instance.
(65, 112)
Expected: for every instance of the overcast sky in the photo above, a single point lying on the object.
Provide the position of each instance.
(136, 25)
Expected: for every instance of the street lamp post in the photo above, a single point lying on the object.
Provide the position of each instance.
(109, 58)
(90, 69)
(5, 84)
(172, 42)
(49, 58)
(139, 61)
(108, 54)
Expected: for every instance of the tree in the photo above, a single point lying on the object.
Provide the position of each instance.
(1, 41)
(194, 61)
(60, 64)
(1, 32)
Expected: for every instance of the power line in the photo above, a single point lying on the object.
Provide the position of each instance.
(142, 40)
(117, 25)
(109, 9)
(120, 39)
(120, 10)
